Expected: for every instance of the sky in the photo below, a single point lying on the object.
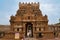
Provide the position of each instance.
(49, 7)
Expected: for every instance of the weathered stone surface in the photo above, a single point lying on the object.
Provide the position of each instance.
(29, 24)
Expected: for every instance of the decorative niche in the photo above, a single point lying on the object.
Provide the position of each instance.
(28, 17)
(2, 34)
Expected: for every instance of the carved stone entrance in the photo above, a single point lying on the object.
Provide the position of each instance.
(40, 35)
(29, 29)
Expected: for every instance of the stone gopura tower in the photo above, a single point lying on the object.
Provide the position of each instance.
(29, 22)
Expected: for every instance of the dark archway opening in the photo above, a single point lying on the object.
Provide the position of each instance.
(55, 34)
(29, 29)
(40, 35)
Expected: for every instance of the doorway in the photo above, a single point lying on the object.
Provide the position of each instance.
(40, 35)
(28, 29)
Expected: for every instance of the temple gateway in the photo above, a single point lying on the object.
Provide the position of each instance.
(29, 23)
